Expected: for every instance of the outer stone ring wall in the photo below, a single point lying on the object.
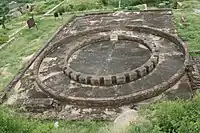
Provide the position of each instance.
(116, 79)
(114, 100)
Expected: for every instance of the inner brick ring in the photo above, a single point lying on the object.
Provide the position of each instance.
(114, 79)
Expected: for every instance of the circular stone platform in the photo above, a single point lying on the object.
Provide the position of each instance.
(93, 68)
(101, 61)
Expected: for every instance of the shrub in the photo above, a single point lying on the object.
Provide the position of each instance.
(80, 5)
(44, 6)
(65, 8)
(10, 123)
(173, 117)
(113, 3)
(3, 37)
(104, 2)
(40, 8)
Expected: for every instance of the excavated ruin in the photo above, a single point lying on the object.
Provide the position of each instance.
(102, 64)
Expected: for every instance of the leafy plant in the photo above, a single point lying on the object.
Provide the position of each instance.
(172, 117)
(3, 38)
(11, 123)
(3, 12)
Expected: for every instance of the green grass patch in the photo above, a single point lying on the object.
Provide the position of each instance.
(44, 6)
(10, 122)
(190, 30)
(26, 43)
(12, 25)
(172, 117)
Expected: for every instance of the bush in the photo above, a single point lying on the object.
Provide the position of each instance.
(81, 5)
(3, 37)
(40, 8)
(173, 117)
(104, 2)
(10, 123)
(44, 6)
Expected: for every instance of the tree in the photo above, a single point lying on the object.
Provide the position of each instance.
(3, 12)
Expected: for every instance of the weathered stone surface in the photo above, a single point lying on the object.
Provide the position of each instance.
(40, 104)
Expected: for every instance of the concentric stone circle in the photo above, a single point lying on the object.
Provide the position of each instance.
(113, 100)
(115, 79)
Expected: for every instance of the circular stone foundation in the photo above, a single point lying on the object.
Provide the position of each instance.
(101, 61)
(91, 68)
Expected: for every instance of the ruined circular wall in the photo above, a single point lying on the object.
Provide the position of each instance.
(120, 88)
(117, 78)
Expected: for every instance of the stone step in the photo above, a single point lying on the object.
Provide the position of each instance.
(40, 104)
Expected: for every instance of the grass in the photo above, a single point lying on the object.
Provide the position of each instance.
(189, 31)
(44, 6)
(25, 44)
(171, 117)
(12, 123)
(16, 23)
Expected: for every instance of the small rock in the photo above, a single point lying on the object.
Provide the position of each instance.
(162, 5)
(68, 107)
(179, 4)
(127, 118)
(197, 11)
(56, 124)
(17, 86)
(27, 58)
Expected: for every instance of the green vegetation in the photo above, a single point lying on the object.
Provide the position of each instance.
(11, 24)
(190, 29)
(3, 11)
(43, 6)
(25, 44)
(3, 37)
(82, 5)
(172, 117)
(12, 123)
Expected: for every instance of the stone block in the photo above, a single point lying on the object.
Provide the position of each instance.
(68, 71)
(155, 59)
(144, 71)
(121, 79)
(107, 81)
(95, 81)
(156, 49)
(133, 75)
(82, 79)
(149, 66)
(141, 71)
(88, 79)
(75, 76)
